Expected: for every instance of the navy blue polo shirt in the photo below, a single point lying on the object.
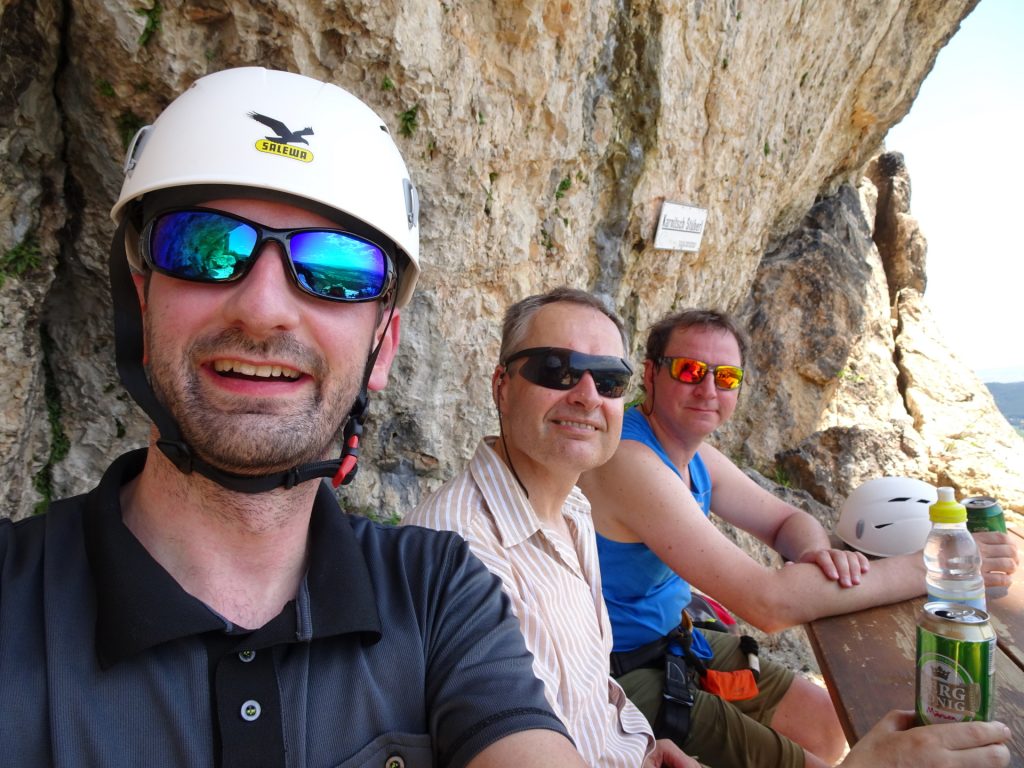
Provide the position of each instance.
(399, 650)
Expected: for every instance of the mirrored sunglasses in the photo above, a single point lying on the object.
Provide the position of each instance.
(557, 368)
(690, 371)
(206, 246)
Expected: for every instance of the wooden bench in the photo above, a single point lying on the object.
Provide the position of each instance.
(867, 660)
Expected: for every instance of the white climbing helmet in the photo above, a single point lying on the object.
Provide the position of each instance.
(282, 133)
(887, 516)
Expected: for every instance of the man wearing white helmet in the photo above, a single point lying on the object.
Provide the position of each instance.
(208, 604)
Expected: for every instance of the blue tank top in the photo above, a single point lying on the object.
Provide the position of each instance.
(644, 596)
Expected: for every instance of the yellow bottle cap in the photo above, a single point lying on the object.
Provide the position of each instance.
(946, 509)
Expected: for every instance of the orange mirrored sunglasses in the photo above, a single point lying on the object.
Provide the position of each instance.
(690, 371)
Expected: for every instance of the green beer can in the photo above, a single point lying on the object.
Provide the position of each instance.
(984, 514)
(955, 664)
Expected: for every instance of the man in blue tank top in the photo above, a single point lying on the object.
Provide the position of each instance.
(650, 506)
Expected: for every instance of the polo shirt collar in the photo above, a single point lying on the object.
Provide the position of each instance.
(139, 605)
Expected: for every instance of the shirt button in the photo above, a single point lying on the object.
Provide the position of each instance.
(251, 710)
(247, 656)
(394, 761)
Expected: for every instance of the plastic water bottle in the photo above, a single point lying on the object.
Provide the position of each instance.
(951, 556)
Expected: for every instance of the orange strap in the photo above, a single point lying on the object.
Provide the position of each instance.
(731, 686)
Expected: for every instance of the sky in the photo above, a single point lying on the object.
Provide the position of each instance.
(962, 142)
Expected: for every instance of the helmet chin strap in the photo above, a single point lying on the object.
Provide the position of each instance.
(129, 343)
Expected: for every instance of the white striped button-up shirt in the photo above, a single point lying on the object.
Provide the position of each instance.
(555, 590)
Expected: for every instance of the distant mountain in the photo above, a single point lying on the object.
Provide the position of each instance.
(1010, 399)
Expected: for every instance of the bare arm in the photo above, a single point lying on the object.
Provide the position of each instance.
(791, 532)
(530, 749)
(637, 498)
(895, 743)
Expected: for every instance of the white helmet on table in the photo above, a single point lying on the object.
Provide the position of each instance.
(887, 516)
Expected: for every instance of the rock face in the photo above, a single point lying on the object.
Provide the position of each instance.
(543, 138)
(847, 371)
(848, 374)
(32, 212)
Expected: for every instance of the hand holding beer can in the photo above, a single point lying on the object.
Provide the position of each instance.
(984, 515)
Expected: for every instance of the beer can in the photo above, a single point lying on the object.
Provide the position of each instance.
(984, 514)
(955, 664)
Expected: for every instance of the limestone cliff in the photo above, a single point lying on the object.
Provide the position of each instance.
(848, 374)
(543, 137)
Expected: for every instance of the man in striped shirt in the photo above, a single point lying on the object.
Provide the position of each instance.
(558, 390)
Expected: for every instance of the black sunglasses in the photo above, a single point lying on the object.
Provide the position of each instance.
(207, 246)
(557, 368)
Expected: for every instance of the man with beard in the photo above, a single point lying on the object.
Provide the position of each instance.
(207, 604)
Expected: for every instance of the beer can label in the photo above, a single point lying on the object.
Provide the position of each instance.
(984, 514)
(955, 666)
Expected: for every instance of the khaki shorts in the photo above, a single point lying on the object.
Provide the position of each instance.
(726, 734)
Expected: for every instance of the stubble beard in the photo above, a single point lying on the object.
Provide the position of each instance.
(250, 438)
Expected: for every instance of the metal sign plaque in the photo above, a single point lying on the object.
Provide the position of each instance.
(680, 227)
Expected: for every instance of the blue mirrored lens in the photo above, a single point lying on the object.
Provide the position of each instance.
(210, 246)
(199, 245)
(338, 265)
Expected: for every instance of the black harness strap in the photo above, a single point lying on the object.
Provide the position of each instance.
(649, 656)
(673, 720)
(685, 674)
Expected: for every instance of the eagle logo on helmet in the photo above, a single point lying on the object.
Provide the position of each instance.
(280, 143)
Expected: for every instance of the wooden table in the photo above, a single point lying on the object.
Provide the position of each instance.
(867, 660)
